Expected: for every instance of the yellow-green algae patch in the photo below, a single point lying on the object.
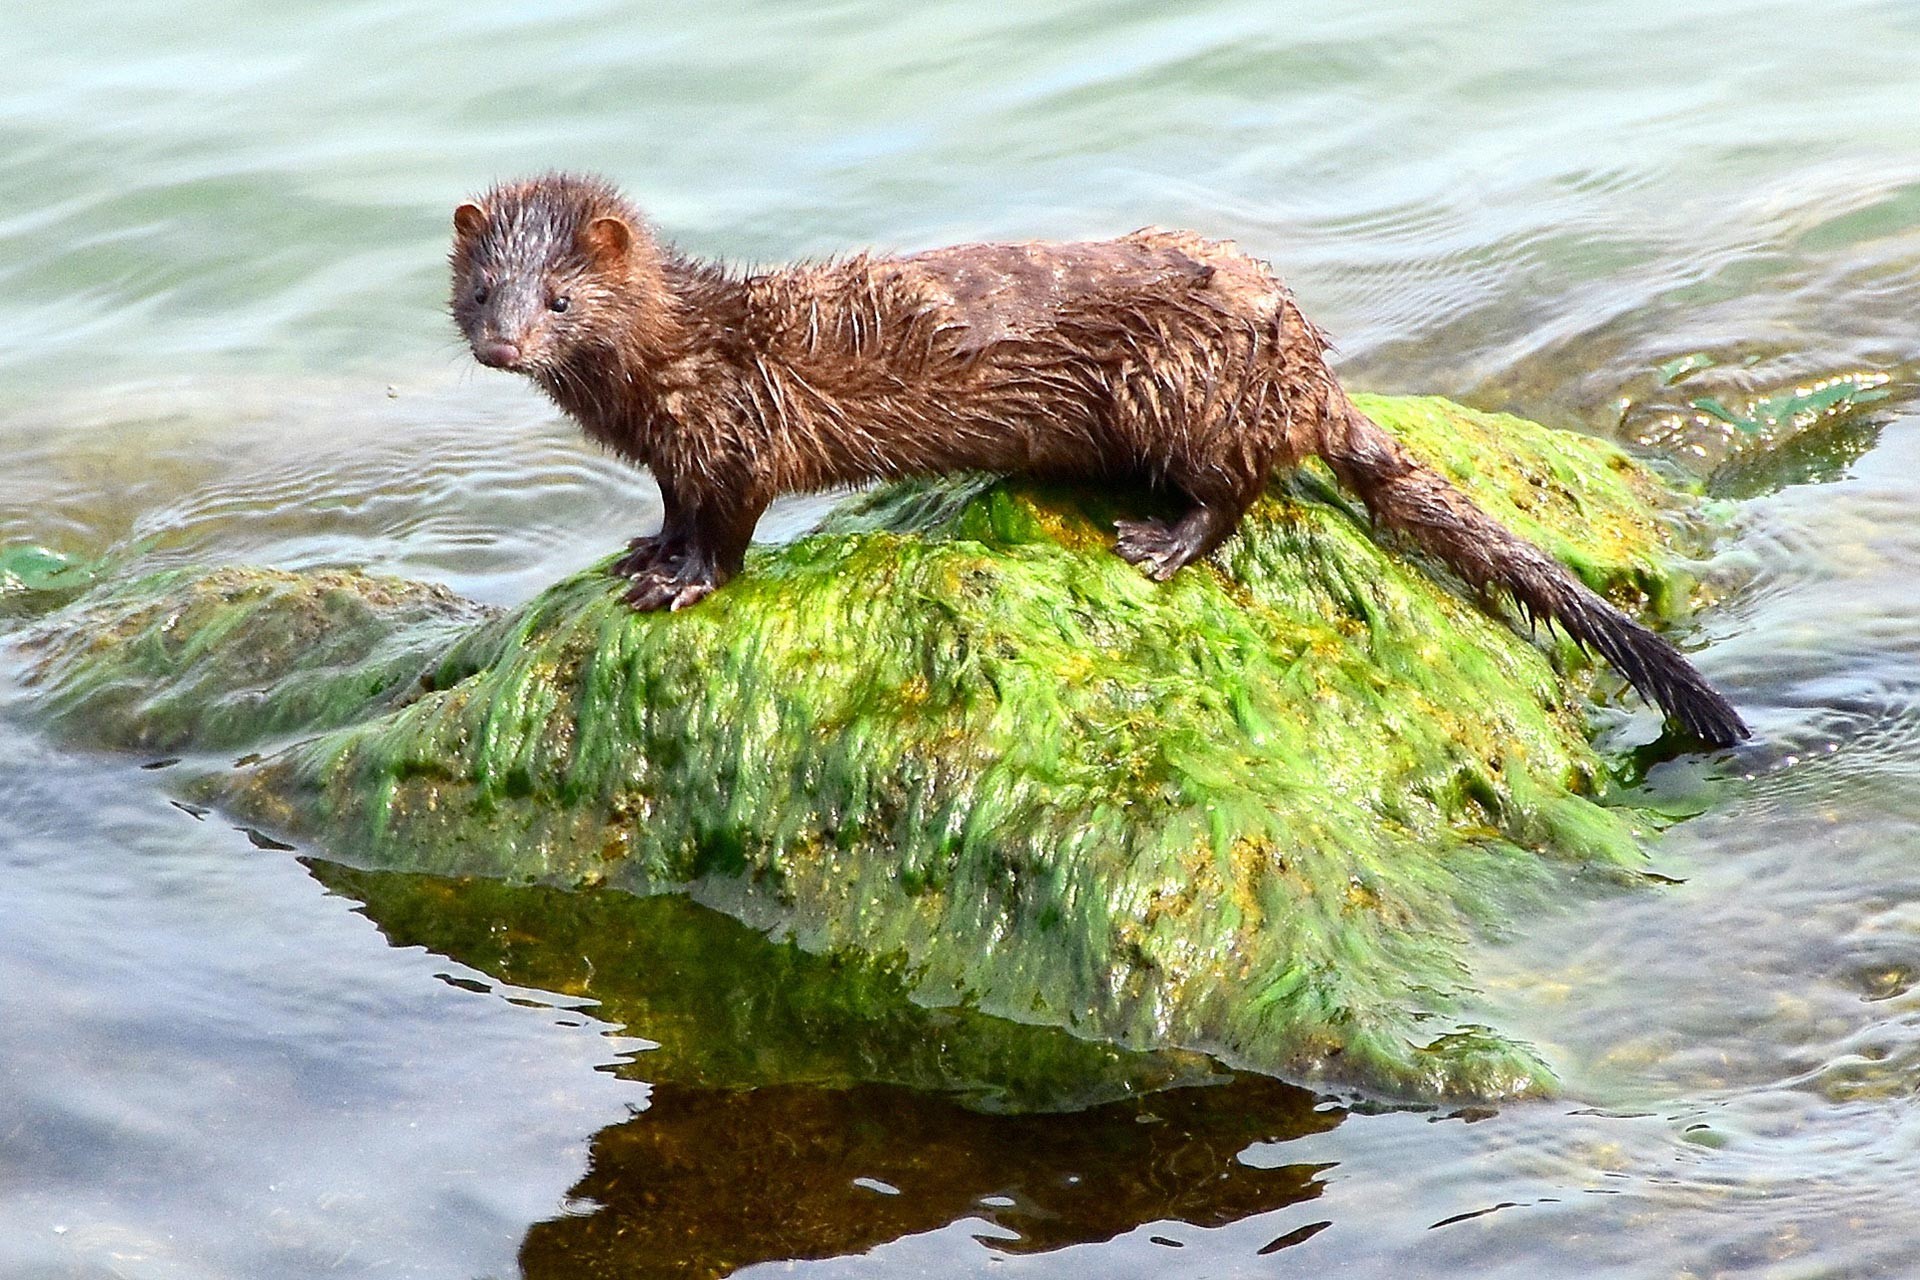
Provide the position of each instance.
(1260, 810)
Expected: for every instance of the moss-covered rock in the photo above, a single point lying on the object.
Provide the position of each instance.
(189, 660)
(1258, 810)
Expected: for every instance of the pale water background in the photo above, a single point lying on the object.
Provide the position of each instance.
(222, 339)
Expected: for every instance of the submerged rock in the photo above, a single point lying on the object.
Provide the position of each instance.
(1260, 810)
(189, 660)
(35, 577)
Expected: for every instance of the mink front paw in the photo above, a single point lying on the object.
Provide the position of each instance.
(671, 587)
(645, 554)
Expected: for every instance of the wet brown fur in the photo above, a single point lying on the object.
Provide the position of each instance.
(1159, 358)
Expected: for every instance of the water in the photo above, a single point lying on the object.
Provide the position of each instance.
(222, 339)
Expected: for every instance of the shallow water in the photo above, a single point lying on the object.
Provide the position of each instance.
(221, 334)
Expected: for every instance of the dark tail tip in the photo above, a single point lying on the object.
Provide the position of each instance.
(1658, 670)
(1406, 494)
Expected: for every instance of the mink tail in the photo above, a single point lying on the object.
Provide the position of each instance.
(1404, 494)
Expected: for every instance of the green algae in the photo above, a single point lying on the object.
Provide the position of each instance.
(1807, 435)
(1261, 810)
(1744, 438)
(33, 578)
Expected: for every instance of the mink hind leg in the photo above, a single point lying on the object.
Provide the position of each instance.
(1162, 548)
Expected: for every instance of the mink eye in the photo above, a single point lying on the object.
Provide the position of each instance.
(480, 296)
(558, 304)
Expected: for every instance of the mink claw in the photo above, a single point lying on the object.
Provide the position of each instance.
(693, 593)
(657, 588)
(647, 594)
(641, 553)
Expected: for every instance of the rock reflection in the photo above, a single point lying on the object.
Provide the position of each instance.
(802, 1107)
(729, 1008)
(708, 1181)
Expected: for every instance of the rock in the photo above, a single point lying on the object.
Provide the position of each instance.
(1259, 811)
(192, 660)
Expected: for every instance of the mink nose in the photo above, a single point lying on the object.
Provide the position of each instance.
(497, 353)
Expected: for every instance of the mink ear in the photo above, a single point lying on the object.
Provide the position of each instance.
(469, 219)
(607, 240)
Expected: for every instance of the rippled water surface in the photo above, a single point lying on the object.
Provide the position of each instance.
(222, 340)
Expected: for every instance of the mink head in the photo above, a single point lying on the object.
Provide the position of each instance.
(544, 268)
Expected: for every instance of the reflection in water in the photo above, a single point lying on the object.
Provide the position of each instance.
(728, 1008)
(733, 1163)
(707, 1180)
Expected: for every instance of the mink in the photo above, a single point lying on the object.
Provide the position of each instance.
(1159, 359)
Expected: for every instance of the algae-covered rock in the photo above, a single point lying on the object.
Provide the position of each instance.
(1258, 810)
(210, 661)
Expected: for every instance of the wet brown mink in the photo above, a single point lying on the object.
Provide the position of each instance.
(1160, 358)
